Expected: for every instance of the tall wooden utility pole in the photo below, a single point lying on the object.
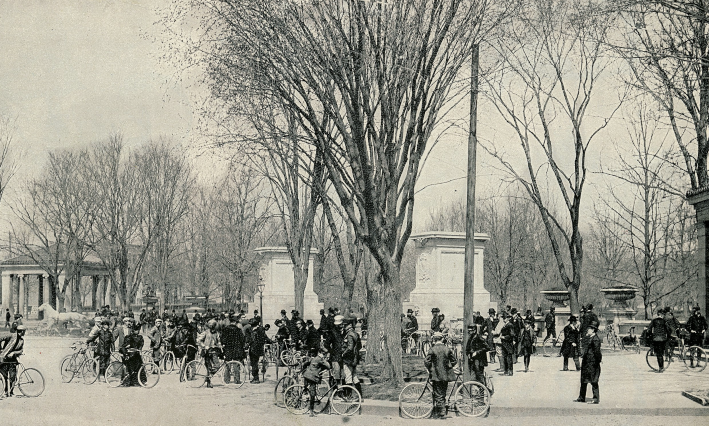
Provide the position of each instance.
(469, 279)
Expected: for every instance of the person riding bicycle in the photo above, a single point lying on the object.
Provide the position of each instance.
(660, 332)
(210, 343)
(104, 346)
(440, 361)
(11, 347)
(312, 370)
(476, 350)
(132, 345)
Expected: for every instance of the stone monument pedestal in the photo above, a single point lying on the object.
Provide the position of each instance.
(440, 260)
(276, 273)
(562, 311)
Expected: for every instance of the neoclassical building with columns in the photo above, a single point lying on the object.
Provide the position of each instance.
(26, 286)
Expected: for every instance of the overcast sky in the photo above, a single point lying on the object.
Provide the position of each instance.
(74, 71)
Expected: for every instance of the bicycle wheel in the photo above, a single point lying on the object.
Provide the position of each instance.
(115, 373)
(195, 374)
(287, 357)
(89, 371)
(472, 399)
(168, 363)
(278, 393)
(416, 401)
(695, 358)
(30, 382)
(232, 374)
(297, 399)
(346, 400)
(651, 361)
(149, 375)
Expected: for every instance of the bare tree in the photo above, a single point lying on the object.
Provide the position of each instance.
(56, 211)
(553, 56)
(242, 210)
(666, 45)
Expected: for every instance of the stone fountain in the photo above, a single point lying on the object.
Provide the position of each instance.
(562, 311)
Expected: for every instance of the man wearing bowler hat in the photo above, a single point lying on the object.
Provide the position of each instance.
(591, 358)
(413, 326)
(490, 325)
(477, 349)
(435, 321)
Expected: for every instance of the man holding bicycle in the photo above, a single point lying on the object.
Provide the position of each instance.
(211, 345)
(440, 361)
(12, 345)
(660, 333)
(697, 326)
(132, 345)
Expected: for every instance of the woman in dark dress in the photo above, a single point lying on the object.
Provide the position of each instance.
(571, 347)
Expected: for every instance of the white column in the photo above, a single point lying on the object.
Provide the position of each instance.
(6, 293)
(21, 296)
(60, 285)
(47, 289)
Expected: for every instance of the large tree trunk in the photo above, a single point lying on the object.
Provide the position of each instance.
(300, 280)
(386, 302)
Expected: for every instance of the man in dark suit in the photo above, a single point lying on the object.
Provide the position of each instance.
(507, 339)
(440, 361)
(591, 364)
(490, 326)
(257, 340)
(477, 350)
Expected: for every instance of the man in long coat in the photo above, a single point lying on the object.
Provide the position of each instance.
(571, 347)
(440, 361)
(591, 364)
(477, 350)
(233, 343)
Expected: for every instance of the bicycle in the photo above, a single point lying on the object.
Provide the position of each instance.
(651, 359)
(117, 375)
(290, 356)
(290, 378)
(79, 363)
(29, 381)
(612, 339)
(165, 359)
(344, 400)
(695, 357)
(196, 374)
(553, 345)
(471, 398)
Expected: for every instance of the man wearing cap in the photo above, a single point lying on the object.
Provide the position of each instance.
(350, 355)
(477, 349)
(335, 345)
(440, 361)
(132, 345)
(490, 325)
(155, 336)
(591, 358)
(211, 346)
(550, 325)
(12, 345)
(257, 340)
(697, 326)
(104, 345)
(660, 333)
(435, 321)
(571, 347)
